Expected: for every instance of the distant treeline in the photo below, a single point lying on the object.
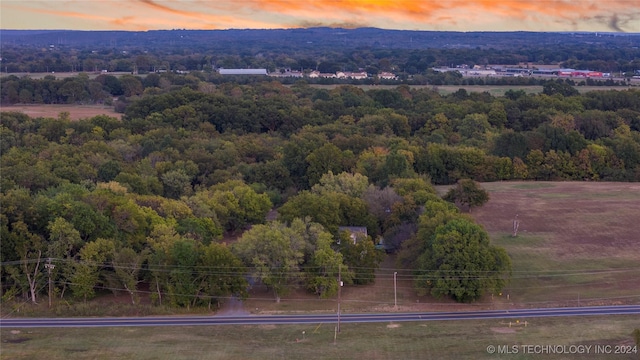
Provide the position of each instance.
(104, 88)
(406, 53)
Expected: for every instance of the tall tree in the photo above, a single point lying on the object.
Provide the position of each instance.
(322, 160)
(322, 264)
(94, 256)
(127, 265)
(460, 262)
(28, 247)
(274, 252)
(64, 243)
(435, 213)
(467, 194)
(361, 256)
(346, 183)
(221, 274)
(182, 280)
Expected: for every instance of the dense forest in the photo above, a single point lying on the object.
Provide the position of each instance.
(155, 198)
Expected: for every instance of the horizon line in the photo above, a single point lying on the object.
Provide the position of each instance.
(338, 28)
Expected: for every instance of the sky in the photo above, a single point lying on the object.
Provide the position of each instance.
(438, 15)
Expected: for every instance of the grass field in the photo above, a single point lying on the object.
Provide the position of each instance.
(405, 340)
(577, 242)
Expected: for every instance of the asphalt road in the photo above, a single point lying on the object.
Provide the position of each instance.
(522, 314)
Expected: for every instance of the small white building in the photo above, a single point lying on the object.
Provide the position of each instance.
(317, 74)
(351, 75)
(243, 71)
(387, 76)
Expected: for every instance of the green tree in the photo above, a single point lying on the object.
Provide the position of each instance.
(28, 247)
(64, 243)
(323, 271)
(397, 164)
(411, 186)
(559, 87)
(322, 160)
(322, 263)
(467, 194)
(131, 85)
(318, 208)
(237, 205)
(108, 171)
(182, 285)
(460, 262)
(435, 213)
(161, 240)
(221, 274)
(275, 253)
(295, 153)
(473, 126)
(497, 115)
(176, 183)
(350, 184)
(94, 256)
(361, 256)
(127, 264)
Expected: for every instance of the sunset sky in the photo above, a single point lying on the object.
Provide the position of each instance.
(443, 15)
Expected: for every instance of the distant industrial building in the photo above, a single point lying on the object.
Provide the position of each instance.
(519, 71)
(243, 71)
(287, 73)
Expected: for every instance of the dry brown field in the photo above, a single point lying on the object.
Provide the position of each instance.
(76, 112)
(588, 220)
(577, 242)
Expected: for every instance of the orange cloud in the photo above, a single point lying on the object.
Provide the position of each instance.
(423, 14)
(66, 14)
(171, 10)
(465, 15)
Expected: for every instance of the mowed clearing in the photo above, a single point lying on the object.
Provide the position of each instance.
(577, 243)
(76, 112)
(579, 219)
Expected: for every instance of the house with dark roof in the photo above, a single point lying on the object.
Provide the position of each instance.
(355, 232)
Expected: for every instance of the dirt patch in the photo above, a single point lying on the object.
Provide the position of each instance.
(76, 112)
(503, 330)
(16, 340)
(393, 326)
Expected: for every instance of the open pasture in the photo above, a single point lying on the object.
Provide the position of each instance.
(76, 112)
(473, 339)
(577, 242)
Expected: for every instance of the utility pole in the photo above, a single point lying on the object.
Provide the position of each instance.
(49, 266)
(339, 292)
(395, 290)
